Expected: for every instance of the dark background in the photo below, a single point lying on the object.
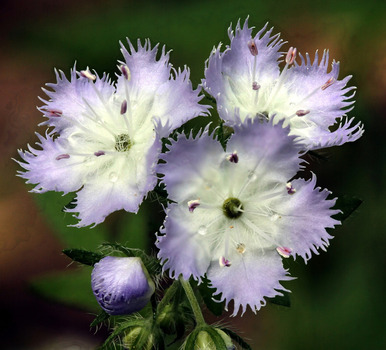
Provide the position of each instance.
(338, 299)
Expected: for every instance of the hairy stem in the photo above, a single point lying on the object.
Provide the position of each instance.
(193, 301)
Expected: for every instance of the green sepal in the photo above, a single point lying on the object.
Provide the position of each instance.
(282, 300)
(223, 133)
(348, 205)
(151, 263)
(216, 338)
(215, 307)
(103, 316)
(121, 328)
(237, 338)
(191, 339)
(83, 256)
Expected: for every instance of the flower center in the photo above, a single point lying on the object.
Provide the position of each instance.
(122, 143)
(232, 208)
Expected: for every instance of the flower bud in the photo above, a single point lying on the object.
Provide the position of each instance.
(121, 285)
(207, 340)
(138, 338)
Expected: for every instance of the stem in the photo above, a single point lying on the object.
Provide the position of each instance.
(193, 301)
(168, 295)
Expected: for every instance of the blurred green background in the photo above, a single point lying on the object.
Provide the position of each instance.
(338, 298)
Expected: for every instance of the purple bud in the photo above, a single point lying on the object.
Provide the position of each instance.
(121, 285)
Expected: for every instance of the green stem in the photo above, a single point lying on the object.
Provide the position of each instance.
(168, 295)
(193, 301)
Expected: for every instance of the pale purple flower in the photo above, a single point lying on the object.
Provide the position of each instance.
(121, 285)
(308, 96)
(105, 137)
(234, 221)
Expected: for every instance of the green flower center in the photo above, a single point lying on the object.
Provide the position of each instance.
(232, 208)
(122, 143)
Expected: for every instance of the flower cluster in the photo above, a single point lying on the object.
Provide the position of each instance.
(236, 207)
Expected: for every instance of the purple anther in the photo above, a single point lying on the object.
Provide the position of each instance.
(62, 156)
(291, 55)
(328, 83)
(124, 107)
(252, 47)
(233, 158)
(302, 112)
(224, 262)
(99, 153)
(255, 86)
(87, 74)
(290, 189)
(55, 112)
(284, 251)
(126, 72)
(193, 204)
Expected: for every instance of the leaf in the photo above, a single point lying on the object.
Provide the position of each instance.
(282, 300)
(212, 302)
(83, 256)
(72, 287)
(237, 338)
(348, 205)
(103, 316)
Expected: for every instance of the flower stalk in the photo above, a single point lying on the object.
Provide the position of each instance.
(193, 301)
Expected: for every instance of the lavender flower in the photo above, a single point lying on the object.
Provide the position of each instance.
(105, 137)
(306, 96)
(235, 221)
(121, 285)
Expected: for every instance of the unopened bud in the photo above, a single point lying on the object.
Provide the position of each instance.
(121, 285)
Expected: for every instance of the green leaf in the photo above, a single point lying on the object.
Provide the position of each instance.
(348, 205)
(237, 338)
(72, 288)
(282, 300)
(83, 256)
(103, 316)
(212, 302)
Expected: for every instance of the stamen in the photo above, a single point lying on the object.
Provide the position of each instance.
(255, 86)
(224, 262)
(124, 107)
(126, 72)
(87, 74)
(99, 153)
(290, 189)
(233, 158)
(55, 112)
(284, 251)
(252, 47)
(302, 112)
(328, 83)
(62, 156)
(241, 248)
(193, 204)
(291, 55)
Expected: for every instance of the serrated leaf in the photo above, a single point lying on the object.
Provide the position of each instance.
(71, 288)
(282, 300)
(234, 336)
(211, 302)
(348, 205)
(83, 256)
(103, 316)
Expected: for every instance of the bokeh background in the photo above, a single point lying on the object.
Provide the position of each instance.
(338, 300)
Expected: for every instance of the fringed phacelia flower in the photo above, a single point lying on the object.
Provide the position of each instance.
(307, 96)
(104, 137)
(249, 216)
(121, 285)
